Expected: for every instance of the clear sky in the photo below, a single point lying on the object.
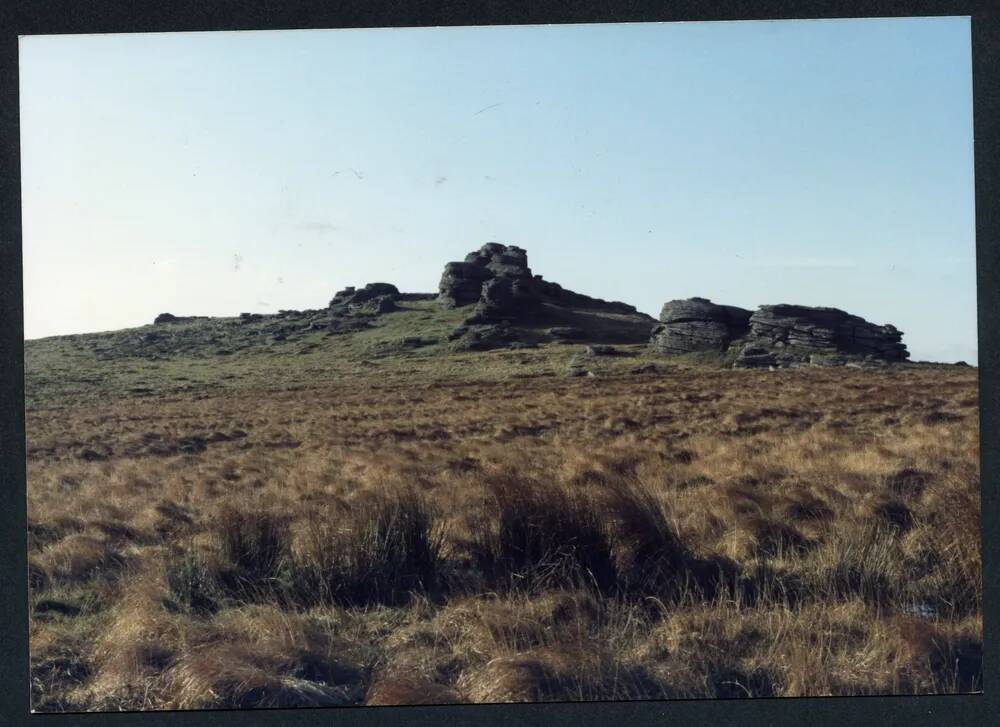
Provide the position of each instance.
(814, 162)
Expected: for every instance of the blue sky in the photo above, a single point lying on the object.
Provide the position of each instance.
(814, 162)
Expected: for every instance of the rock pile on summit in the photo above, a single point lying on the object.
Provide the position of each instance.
(496, 277)
(502, 304)
(513, 307)
(776, 335)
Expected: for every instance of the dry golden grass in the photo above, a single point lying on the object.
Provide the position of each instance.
(687, 533)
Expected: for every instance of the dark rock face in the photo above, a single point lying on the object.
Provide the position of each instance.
(497, 279)
(824, 331)
(559, 294)
(698, 324)
(504, 299)
(463, 283)
(777, 336)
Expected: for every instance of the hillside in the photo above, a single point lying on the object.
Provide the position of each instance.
(503, 492)
(212, 355)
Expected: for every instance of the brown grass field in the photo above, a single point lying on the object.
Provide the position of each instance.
(507, 534)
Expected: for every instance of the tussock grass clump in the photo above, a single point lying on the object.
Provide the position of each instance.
(400, 690)
(254, 546)
(79, 557)
(567, 672)
(233, 676)
(194, 584)
(866, 567)
(534, 536)
(649, 556)
(955, 661)
(388, 548)
(264, 657)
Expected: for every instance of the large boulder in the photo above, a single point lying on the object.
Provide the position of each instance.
(497, 280)
(698, 324)
(373, 299)
(462, 283)
(504, 299)
(812, 330)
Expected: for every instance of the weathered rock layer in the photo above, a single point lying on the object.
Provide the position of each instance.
(776, 335)
(512, 305)
(698, 324)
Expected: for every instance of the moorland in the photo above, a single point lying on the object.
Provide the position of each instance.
(224, 514)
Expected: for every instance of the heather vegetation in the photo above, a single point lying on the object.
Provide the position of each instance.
(349, 519)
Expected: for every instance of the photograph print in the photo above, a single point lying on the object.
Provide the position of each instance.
(470, 365)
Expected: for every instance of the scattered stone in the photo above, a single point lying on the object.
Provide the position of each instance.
(597, 349)
(98, 454)
(755, 357)
(578, 365)
(192, 445)
(483, 338)
(338, 326)
(648, 368)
